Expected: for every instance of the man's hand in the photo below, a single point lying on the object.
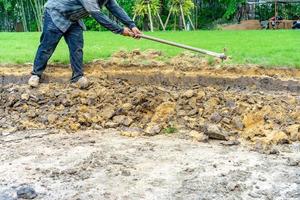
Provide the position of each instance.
(127, 32)
(134, 32)
(137, 33)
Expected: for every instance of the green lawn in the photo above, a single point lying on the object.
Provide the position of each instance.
(268, 48)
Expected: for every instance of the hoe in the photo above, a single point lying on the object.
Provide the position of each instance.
(203, 51)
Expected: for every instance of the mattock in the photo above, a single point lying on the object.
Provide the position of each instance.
(203, 51)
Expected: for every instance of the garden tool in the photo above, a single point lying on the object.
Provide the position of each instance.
(203, 51)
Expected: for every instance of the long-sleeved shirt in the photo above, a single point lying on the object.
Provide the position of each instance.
(66, 12)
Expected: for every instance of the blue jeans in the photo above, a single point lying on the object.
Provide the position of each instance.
(50, 38)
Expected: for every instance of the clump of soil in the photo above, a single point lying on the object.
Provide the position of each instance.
(129, 96)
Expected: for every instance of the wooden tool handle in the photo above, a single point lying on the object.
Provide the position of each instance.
(203, 51)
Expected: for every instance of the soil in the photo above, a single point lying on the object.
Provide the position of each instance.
(152, 126)
(244, 25)
(144, 90)
(104, 165)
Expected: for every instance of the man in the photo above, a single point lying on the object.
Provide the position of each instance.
(62, 18)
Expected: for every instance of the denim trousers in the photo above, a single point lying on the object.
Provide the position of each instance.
(50, 37)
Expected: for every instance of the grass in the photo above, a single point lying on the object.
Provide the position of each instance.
(268, 48)
(170, 130)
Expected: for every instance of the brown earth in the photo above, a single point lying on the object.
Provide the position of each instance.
(148, 94)
(255, 25)
(244, 25)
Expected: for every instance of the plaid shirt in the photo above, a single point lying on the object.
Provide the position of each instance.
(66, 12)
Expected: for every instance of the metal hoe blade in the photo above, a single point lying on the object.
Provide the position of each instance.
(203, 51)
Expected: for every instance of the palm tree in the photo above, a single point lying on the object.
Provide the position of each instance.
(182, 8)
(143, 8)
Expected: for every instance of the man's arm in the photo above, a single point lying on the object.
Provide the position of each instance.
(93, 9)
(119, 13)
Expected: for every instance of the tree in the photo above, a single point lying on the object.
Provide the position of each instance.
(231, 7)
(26, 15)
(148, 8)
(38, 9)
(7, 14)
(26, 12)
(182, 8)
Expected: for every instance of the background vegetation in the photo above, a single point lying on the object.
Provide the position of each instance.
(26, 15)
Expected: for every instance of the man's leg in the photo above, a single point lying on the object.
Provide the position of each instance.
(74, 39)
(50, 38)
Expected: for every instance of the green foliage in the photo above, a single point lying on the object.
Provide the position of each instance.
(28, 12)
(231, 7)
(211, 61)
(7, 5)
(146, 9)
(209, 13)
(141, 7)
(287, 11)
(91, 24)
(127, 6)
(205, 14)
(170, 130)
(187, 6)
(6, 14)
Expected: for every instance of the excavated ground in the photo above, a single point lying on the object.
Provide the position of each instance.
(104, 165)
(149, 94)
(69, 143)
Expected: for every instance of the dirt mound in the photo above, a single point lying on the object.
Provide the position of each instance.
(244, 25)
(159, 96)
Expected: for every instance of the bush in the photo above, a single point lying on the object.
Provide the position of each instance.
(91, 24)
(285, 10)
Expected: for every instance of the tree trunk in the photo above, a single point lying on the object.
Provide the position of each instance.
(150, 18)
(37, 10)
(189, 17)
(160, 21)
(145, 24)
(182, 16)
(167, 21)
(180, 25)
(24, 21)
(175, 22)
(196, 13)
